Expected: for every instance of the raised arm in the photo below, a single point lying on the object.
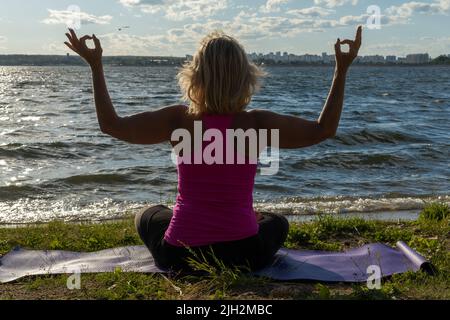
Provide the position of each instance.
(296, 132)
(143, 128)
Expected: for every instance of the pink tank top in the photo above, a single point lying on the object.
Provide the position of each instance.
(214, 202)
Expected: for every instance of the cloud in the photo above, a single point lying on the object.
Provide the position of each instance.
(3, 40)
(445, 4)
(335, 3)
(401, 14)
(404, 12)
(311, 12)
(127, 44)
(250, 26)
(179, 9)
(194, 9)
(147, 6)
(272, 6)
(69, 16)
(353, 20)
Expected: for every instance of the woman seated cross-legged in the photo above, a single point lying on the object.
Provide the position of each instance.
(213, 217)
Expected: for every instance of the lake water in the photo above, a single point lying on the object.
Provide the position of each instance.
(391, 152)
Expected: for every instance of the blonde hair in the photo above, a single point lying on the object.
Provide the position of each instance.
(220, 79)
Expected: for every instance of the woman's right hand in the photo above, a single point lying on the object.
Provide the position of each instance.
(92, 56)
(345, 59)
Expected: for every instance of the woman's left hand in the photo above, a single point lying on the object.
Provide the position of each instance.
(345, 59)
(92, 56)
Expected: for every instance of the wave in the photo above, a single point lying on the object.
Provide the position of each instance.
(350, 161)
(121, 179)
(341, 205)
(96, 179)
(61, 150)
(15, 192)
(73, 209)
(366, 136)
(29, 100)
(29, 83)
(25, 211)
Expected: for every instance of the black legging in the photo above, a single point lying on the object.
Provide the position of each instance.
(254, 252)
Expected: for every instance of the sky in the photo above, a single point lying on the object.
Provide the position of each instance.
(175, 27)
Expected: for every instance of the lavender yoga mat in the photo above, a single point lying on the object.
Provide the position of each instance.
(348, 266)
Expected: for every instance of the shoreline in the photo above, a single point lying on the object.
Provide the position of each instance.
(428, 235)
(387, 208)
(385, 216)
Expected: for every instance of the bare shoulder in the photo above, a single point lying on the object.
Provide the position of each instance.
(262, 118)
(170, 117)
(182, 118)
(245, 120)
(262, 113)
(178, 113)
(177, 109)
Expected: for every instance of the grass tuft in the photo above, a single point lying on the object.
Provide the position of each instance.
(435, 212)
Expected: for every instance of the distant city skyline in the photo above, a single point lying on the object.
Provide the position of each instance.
(272, 58)
(286, 57)
(174, 27)
(327, 57)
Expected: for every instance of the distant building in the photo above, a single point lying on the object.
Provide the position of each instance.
(373, 59)
(252, 56)
(391, 59)
(418, 58)
(294, 58)
(327, 58)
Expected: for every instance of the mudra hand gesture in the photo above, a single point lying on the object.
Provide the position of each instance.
(345, 59)
(92, 56)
